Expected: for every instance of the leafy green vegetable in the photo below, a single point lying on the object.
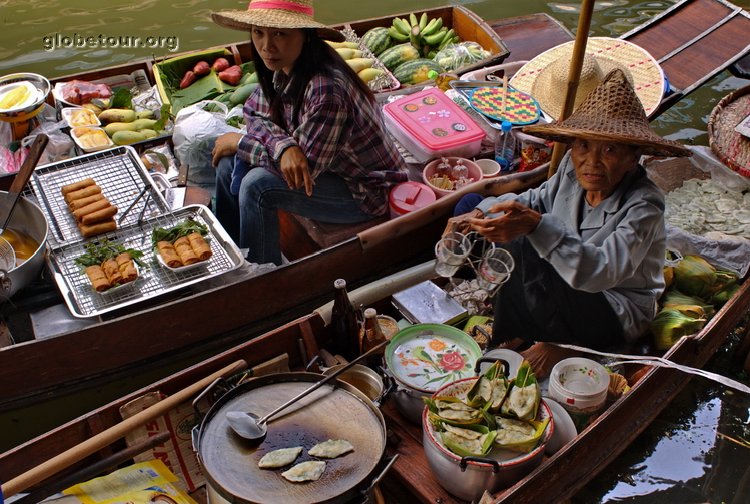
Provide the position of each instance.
(122, 98)
(164, 116)
(184, 228)
(103, 250)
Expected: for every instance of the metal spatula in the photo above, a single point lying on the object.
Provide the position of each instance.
(8, 204)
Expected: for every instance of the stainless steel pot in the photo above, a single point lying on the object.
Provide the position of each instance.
(368, 381)
(337, 411)
(27, 217)
(468, 477)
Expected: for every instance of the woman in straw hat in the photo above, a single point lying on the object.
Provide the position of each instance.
(315, 142)
(589, 243)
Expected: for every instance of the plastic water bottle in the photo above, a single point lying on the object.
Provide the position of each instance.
(505, 147)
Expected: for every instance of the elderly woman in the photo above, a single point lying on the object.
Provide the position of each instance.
(589, 243)
(315, 142)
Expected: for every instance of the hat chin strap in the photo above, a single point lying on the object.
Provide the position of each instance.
(282, 5)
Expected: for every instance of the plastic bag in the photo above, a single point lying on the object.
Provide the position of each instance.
(195, 123)
(60, 145)
(455, 56)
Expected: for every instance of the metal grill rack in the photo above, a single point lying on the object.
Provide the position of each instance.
(122, 177)
(153, 279)
(117, 171)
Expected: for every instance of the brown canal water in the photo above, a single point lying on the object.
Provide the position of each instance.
(696, 451)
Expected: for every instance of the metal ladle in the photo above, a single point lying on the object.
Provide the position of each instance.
(254, 429)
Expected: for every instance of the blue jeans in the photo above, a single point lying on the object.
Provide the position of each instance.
(251, 219)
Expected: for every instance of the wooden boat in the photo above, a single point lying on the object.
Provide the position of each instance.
(185, 324)
(410, 478)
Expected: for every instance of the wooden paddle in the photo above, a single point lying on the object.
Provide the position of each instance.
(574, 75)
(108, 436)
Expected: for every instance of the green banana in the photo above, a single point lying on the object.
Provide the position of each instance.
(430, 27)
(456, 39)
(397, 35)
(433, 26)
(435, 38)
(402, 25)
(413, 19)
(423, 21)
(447, 38)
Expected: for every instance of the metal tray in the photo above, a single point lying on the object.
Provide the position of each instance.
(154, 280)
(120, 174)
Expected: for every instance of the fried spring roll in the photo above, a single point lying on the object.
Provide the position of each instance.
(76, 186)
(99, 215)
(80, 203)
(112, 270)
(185, 251)
(90, 208)
(200, 246)
(168, 254)
(82, 193)
(98, 228)
(97, 278)
(127, 267)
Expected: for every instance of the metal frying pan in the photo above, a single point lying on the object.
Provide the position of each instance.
(334, 411)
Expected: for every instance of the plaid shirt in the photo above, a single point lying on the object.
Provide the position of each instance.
(338, 131)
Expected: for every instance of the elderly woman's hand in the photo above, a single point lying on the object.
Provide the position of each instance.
(295, 170)
(462, 223)
(514, 220)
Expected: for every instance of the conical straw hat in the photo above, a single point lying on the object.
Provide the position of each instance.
(275, 14)
(612, 112)
(641, 69)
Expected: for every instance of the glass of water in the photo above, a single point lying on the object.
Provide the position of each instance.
(451, 253)
(495, 268)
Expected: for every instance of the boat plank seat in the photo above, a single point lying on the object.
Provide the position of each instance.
(693, 41)
(301, 236)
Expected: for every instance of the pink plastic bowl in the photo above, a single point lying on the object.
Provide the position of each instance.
(475, 173)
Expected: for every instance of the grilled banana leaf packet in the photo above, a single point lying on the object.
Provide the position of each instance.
(452, 410)
(490, 389)
(524, 395)
(468, 441)
(519, 435)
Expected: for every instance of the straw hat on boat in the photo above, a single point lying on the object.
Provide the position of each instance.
(545, 77)
(275, 14)
(611, 112)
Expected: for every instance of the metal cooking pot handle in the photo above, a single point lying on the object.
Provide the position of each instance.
(482, 360)
(200, 396)
(5, 283)
(465, 462)
(389, 386)
(369, 492)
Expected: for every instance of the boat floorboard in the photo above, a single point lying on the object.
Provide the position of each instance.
(526, 36)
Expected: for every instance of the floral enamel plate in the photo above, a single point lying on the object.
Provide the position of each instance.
(426, 357)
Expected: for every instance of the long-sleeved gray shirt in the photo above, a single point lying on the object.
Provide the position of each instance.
(617, 248)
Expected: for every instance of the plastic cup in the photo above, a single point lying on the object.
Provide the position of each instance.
(495, 268)
(490, 167)
(451, 252)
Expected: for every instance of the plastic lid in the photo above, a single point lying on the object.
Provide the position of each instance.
(506, 126)
(409, 196)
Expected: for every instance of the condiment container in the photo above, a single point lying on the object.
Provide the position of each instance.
(580, 386)
(429, 124)
(409, 196)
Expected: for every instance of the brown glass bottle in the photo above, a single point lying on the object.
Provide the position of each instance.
(372, 336)
(344, 324)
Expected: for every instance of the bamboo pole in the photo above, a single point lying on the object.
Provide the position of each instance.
(112, 434)
(574, 75)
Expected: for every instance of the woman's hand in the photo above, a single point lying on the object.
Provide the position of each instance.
(462, 223)
(226, 145)
(517, 220)
(295, 170)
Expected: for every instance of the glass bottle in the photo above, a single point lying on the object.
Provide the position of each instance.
(344, 325)
(372, 336)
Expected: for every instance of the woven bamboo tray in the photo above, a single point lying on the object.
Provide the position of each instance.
(731, 147)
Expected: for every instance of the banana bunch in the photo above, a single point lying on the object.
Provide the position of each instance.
(427, 35)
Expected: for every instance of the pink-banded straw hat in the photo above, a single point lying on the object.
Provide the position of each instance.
(276, 14)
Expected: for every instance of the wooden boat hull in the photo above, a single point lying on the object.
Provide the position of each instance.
(410, 479)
